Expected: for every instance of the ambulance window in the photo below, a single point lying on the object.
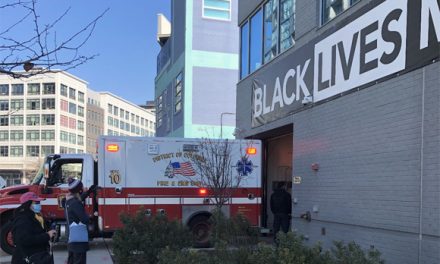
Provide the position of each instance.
(64, 169)
(71, 170)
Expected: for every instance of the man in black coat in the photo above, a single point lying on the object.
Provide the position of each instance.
(281, 207)
(29, 234)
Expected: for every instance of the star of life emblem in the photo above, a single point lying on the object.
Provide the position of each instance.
(244, 166)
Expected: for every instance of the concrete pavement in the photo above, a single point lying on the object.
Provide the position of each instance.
(99, 253)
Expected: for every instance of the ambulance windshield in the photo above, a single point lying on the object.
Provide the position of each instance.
(39, 175)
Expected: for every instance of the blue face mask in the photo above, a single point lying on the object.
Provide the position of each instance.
(36, 208)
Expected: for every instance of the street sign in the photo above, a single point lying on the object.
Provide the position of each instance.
(297, 180)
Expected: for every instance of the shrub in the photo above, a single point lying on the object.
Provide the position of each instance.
(168, 256)
(352, 253)
(235, 231)
(142, 238)
(290, 250)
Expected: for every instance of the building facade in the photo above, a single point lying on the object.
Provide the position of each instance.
(123, 118)
(197, 69)
(95, 121)
(349, 116)
(57, 113)
(39, 116)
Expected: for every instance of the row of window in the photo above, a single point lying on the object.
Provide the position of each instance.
(124, 114)
(65, 150)
(31, 120)
(31, 104)
(93, 102)
(178, 99)
(32, 135)
(94, 130)
(31, 151)
(332, 8)
(32, 89)
(143, 132)
(114, 122)
(217, 9)
(71, 108)
(94, 116)
(71, 138)
(71, 93)
(35, 89)
(71, 123)
(271, 30)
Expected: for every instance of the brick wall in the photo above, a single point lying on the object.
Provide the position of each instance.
(374, 163)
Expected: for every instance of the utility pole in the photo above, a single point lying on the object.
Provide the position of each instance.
(221, 122)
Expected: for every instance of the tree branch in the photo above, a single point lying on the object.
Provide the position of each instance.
(44, 53)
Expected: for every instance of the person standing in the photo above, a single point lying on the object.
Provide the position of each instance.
(29, 233)
(75, 213)
(281, 207)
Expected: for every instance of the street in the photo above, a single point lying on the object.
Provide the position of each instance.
(99, 253)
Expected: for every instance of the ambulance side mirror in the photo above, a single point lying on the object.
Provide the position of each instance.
(46, 171)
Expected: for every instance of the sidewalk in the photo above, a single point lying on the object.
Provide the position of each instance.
(99, 253)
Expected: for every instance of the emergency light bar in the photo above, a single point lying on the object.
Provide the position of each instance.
(112, 148)
(251, 151)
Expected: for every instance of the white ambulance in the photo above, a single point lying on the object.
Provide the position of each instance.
(158, 174)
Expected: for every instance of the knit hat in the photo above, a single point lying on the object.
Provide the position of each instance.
(30, 196)
(75, 185)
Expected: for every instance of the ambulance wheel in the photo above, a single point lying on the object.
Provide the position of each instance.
(201, 230)
(6, 242)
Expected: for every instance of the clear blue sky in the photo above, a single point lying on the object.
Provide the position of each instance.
(125, 39)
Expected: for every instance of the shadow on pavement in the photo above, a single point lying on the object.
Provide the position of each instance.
(99, 253)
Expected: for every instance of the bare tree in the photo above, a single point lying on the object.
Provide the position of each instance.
(41, 51)
(213, 162)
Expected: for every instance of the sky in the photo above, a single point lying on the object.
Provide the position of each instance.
(124, 39)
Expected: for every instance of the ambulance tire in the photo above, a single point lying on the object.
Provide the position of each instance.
(6, 242)
(201, 230)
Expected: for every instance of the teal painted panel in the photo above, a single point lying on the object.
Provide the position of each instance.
(167, 77)
(215, 60)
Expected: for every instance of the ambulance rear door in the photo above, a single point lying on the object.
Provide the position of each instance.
(113, 198)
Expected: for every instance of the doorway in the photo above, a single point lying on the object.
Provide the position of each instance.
(278, 168)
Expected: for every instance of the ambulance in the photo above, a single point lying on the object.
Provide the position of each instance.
(159, 174)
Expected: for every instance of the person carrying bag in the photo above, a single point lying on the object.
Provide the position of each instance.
(29, 233)
(77, 220)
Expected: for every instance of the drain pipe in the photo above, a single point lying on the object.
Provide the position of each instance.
(422, 130)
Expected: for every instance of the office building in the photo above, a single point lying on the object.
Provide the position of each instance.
(345, 96)
(197, 69)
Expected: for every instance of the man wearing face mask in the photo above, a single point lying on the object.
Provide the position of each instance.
(29, 232)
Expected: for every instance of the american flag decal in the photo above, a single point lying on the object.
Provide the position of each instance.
(182, 168)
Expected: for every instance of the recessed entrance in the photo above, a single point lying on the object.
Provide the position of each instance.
(278, 168)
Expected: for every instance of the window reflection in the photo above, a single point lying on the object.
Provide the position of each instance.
(270, 30)
(332, 8)
(287, 24)
(256, 46)
(244, 50)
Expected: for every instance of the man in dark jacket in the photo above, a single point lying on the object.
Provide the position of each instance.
(281, 207)
(76, 213)
(29, 234)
